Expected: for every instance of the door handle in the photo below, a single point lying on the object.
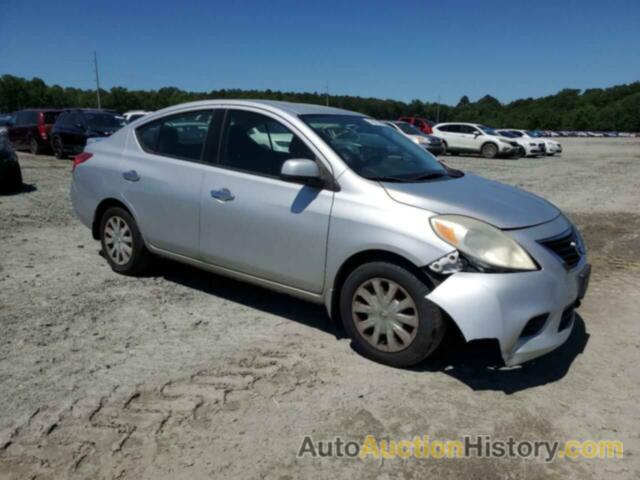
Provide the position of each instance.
(222, 195)
(131, 176)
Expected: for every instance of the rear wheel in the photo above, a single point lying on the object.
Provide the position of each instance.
(122, 243)
(489, 150)
(34, 147)
(387, 316)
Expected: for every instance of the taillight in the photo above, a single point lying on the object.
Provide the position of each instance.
(81, 158)
(42, 129)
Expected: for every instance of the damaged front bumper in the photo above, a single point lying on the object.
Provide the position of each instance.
(529, 313)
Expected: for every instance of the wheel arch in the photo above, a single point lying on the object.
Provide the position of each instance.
(361, 258)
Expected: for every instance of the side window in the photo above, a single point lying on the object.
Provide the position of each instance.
(180, 136)
(21, 118)
(468, 129)
(258, 144)
(453, 129)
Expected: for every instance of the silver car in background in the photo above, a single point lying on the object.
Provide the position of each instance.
(336, 208)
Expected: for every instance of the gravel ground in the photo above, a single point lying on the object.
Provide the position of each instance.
(184, 374)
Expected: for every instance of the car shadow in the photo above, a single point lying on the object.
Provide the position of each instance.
(252, 296)
(25, 188)
(477, 364)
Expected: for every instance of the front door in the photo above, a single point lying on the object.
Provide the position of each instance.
(252, 221)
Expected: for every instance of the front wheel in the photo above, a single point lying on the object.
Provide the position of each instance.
(122, 243)
(386, 314)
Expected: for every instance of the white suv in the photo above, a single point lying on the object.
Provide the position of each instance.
(475, 138)
(551, 146)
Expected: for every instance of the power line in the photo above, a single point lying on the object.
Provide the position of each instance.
(95, 63)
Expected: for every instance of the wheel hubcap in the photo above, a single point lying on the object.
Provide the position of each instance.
(385, 315)
(118, 240)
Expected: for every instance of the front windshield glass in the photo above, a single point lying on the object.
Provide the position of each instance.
(510, 133)
(488, 130)
(373, 150)
(408, 128)
(533, 134)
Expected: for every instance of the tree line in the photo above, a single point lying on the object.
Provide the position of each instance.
(599, 109)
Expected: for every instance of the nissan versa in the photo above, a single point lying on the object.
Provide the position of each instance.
(339, 209)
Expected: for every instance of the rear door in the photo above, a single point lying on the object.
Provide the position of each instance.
(252, 221)
(453, 136)
(162, 176)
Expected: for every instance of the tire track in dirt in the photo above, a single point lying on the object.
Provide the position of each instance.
(120, 434)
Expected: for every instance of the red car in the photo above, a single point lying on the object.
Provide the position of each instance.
(31, 129)
(421, 124)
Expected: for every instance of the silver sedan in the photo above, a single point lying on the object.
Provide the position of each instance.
(336, 208)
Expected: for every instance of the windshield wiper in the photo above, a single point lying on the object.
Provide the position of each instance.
(427, 176)
(387, 178)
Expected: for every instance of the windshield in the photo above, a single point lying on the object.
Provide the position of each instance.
(509, 133)
(373, 150)
(103, 120)
(488, 130)
(533, 134)
(408, 128)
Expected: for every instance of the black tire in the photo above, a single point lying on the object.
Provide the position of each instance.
(58, 148)
(11, 178)
(34, 146)
(139, 258)
(522, 152)
(431, 325)
(489, 150)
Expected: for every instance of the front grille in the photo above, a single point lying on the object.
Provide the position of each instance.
(566, 247)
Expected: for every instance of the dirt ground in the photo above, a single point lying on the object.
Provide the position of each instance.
(184, 374)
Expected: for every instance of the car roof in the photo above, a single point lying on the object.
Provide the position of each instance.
(288, 107)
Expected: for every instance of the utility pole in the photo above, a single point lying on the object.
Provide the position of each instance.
(438, 111)
(95, 63)
(326, 94)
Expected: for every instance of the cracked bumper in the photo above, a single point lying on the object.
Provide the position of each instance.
(499, 305)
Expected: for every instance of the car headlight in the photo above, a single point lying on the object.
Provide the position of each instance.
(532, 144)
(481, 243)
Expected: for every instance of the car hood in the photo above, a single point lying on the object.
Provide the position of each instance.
(500, 205)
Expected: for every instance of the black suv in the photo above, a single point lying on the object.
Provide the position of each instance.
(72, 129)
(31, 129)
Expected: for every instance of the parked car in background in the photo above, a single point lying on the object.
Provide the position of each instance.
(551, 146)
(475, 138)
(340, 210)
(10, 173)
(31, 129)
(529, 147)
(422, 124)
(73, 127)
(133, 115)
(432, 143)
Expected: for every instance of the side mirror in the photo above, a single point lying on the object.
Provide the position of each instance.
(477, 134)
(301, 170)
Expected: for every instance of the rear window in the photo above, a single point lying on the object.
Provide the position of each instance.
(179, 136)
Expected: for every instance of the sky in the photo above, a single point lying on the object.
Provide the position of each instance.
(400, 49)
